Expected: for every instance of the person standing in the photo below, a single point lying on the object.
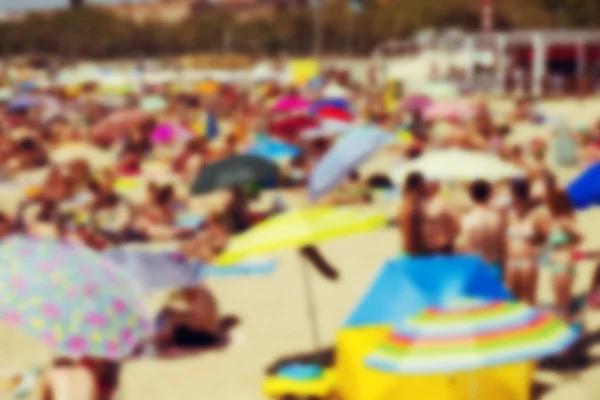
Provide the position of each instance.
(482, 228)
(441, 222)
(524, 233)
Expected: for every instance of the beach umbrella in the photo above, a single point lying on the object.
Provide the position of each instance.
(117, 124)
(337, 103)
(416, 103)
(208, 88)
(233, 171)
(470, 337)
(458, 165)
(349, 152)
(23, 103)
(403, 287)
(326, 128)
(114, 83)
(584, 190)
(335, 91)
(273, 149)
(152, 104)
(336, 114)
(289, 104)
(169, 133)
(300, 228)
(455, 109)
(72, 298)
(289, 127)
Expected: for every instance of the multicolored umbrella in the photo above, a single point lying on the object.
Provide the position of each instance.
(471, 337)
(72, 298)
(233, 171)
(300, 228)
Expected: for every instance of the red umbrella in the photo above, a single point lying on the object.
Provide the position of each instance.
(338, 114)
(289, 128)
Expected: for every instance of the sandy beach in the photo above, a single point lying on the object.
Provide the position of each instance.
(274, 319)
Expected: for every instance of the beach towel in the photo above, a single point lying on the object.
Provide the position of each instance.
(156, 271)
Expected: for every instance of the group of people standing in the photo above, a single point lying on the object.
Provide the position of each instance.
(517, 227)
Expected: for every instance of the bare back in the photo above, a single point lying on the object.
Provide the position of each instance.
(70, 383)
(483, 233)
(440, 225)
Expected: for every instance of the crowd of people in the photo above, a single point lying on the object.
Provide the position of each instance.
(517, 226)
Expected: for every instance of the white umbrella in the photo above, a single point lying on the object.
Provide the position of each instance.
(335, 91)
(326, 128)
(458, 165)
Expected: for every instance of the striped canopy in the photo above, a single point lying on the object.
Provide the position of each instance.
(470, 337)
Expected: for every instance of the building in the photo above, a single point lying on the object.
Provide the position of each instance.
(544, 61)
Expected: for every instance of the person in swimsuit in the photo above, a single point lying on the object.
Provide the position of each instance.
(482, 228)
(441, 223)
(563, 238)
(410, 215)
(523, 232)
(196, 324)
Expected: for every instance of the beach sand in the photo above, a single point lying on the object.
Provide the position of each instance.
(274, 319)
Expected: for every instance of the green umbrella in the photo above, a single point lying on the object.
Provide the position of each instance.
(235, 171)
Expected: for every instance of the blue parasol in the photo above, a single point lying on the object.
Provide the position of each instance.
(273, 149)
(349, 152)
(584, 190)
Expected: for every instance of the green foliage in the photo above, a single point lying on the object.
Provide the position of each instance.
(92, 32)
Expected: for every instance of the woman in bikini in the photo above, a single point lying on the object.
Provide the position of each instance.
(524, 230)
(563, 238)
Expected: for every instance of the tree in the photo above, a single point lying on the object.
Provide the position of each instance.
(75, 4)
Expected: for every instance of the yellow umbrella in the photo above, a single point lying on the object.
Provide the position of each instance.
(207, 88)
(300, 228)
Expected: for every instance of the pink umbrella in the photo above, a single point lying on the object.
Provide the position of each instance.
(116, 125)
(291, 104)
(450, 110)
(169, 133)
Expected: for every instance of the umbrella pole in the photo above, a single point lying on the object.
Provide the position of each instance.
(311, 308)
(473, 386)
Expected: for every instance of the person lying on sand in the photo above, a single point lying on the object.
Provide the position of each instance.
(191, 320)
